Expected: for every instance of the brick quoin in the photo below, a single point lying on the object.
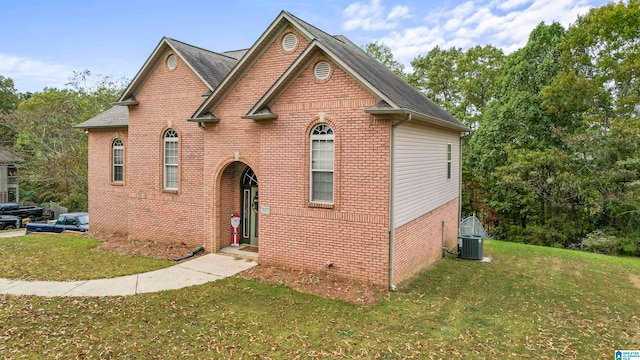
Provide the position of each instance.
(352, 234)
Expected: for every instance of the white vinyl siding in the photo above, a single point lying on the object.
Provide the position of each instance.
(420, 174)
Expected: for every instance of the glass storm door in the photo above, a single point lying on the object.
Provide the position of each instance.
(249, 218)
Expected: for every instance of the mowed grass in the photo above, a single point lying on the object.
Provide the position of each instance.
(530, 302)
(66, 257)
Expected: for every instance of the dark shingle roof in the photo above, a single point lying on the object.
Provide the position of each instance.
(117, 116)
(8, 157)
(384, 80)
(213, 67)
(236, 54)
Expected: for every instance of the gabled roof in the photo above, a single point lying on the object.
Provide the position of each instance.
(117, 116)
(236, 54)
(398, 96)
(209, 66)
(7, 157)
(397, 93)
(250, 57)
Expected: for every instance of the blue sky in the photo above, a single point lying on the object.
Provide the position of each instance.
(43, 42)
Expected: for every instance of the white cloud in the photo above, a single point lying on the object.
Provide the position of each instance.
(504, 24)
(510, 4)
(371, 16)
(33, 75)
(399, 12)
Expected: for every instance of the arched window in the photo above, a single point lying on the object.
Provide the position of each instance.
(171, 160)
(117, 153)
(321, 189)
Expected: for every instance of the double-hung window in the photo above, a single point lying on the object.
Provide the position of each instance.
(118, 161)
(322, 151)
(448, 161)
(171, 160)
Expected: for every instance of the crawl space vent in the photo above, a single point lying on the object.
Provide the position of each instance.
(322, 70)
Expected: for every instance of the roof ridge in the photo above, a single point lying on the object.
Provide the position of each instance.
(200, 48)
(307, 24)
(228, 51)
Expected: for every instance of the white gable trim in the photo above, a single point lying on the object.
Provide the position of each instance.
(150, 65)
(255, 52)
(306, 58)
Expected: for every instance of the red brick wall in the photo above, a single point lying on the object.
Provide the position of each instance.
(230, 199)
(419, 242)
(108, 202)
(140, 207)
(353, 235)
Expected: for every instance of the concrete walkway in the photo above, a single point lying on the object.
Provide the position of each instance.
(12, 233)
(210, 267)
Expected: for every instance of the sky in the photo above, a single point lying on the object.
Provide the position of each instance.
(43, 42)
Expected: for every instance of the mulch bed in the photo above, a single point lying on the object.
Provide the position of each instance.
(318, 283)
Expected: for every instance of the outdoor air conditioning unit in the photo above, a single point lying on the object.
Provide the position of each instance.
(470, 247)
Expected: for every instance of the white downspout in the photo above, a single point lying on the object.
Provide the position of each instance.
(459, 184)
(462, 135)
(392, 286)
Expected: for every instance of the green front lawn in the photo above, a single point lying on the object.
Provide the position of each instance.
(65, 257)
(530, 302)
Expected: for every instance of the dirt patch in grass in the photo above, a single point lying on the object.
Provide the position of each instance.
(121, 245)
(635, 279)
(318, 283)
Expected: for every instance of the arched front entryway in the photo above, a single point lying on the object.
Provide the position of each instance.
(237, 193)
(249, 205)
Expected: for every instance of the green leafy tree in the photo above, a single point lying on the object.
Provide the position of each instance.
(9, 97)
(478, 69)
(514, 129)
(437, 76)
(54, 166)
(599, 85)
(383, 54)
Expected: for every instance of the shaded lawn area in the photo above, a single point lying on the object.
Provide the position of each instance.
(530, 302)
(66, 257)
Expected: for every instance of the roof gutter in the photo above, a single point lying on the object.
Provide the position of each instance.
(392, 232)
(417, 116)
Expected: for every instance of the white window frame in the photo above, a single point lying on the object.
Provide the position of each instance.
(449, 163)
(117, 145)
(325, 135)
(170, 137)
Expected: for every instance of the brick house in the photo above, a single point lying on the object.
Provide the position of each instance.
(353, 166)
(9, 186)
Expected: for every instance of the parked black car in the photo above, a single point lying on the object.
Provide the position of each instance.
(33, 212)
(10, 222)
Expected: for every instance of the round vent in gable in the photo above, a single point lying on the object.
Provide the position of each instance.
(172, 61)
(289, 42)
(322, 70)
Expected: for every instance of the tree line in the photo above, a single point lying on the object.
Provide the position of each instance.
(38, 129)
(554, 155)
